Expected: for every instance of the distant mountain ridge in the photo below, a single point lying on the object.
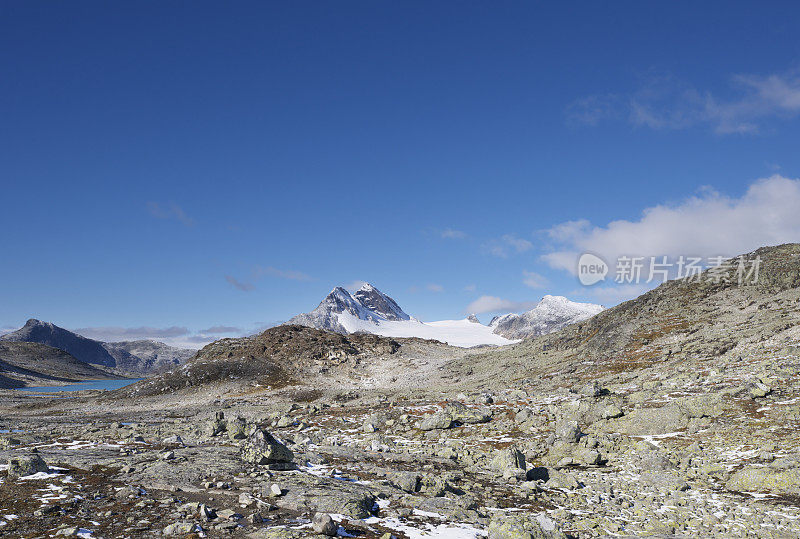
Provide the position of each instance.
(30, 364)
(369, 310)
(134, 357)
(551, 314)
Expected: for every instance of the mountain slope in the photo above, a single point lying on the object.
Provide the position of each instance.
(678, 324)
(551, 314)
(83, 349)
(29, 364)
(133, 357)
(146, 356)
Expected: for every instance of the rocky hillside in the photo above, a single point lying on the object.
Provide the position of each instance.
(144, 357)
(128, 357)
(32, 364)
(86, 350)
(279, 356)
(710, 319)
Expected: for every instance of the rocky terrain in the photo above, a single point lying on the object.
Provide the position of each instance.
(125, 357)
(32, 364)
(671, 415)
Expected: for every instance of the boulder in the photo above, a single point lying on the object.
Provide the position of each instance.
(509, 461)
(519, 526)
(324, 524)
(26, 465)
(568, 431)
(439, 420)
(753, 479)
(463, 414)
(262, 448)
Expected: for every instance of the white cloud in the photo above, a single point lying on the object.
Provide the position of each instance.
(433, 287)
(507, 245)
(216, 330)
(452, 234)
(240, 285)
(709, 224)
(492, 304)
(172, 211)
(612, 295)
(117, 333)
(470, 288)
(354, 285)
(664, 102)
(534, 280)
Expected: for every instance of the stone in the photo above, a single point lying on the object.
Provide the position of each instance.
(180, 528)
(172, 440)
(518, 526)
(275, 489)
(463, 414)
(262, 448)
(237, 429)
(777, 481)
(26, 465)
(568, 431)
(323, 523)
(437, 421)
(406, 481)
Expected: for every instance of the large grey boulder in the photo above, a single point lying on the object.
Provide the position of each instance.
(440, 420)
(262, 448)
(461, 413)
(519, 526)
(26, 465)
(754, 479)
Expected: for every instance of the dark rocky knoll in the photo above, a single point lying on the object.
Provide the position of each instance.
(25, 364)
(274, 358)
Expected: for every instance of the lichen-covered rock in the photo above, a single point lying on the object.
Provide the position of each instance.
(766, 480)
(27, 465)
(461, 413)
(517, 526)
(440, 420)
(509, 461)
(237, 429)
(262, 448)
(568, 431)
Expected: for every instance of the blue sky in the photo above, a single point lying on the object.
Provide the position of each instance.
(171, 168)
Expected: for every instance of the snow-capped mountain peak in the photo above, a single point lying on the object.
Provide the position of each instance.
(379, 303)
(550, 314)
(370, 310)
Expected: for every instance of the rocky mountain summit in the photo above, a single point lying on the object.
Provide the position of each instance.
(368, 304)
(551, 314)
(127, 357)
(86, 350)
(371, 311)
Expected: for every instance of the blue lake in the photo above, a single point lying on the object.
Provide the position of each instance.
(83, 386)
